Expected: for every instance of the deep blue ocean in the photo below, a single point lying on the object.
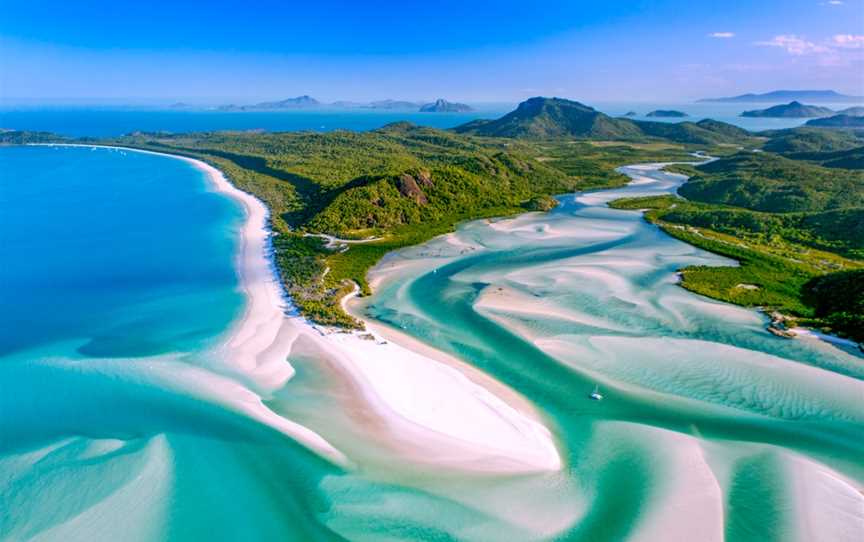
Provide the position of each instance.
(112, 253)
(115, 121)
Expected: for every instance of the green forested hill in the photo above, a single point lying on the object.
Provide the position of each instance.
(807, 140)
(551, 118)
(839, 121)
(704, 132)
(543, 118)
(767, 182)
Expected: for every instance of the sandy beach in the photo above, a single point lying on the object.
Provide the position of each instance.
(428, 400)
(472, 427)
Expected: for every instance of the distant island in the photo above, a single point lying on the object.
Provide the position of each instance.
(669, 113)
(443, 106)
(630, 114)
(300, 102)
(792, 110)
(308, 102)
(784, 96)
(838, 121)
(393, 105)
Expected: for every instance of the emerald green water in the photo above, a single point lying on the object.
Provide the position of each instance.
(125, 418)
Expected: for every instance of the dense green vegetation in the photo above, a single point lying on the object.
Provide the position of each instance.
(838, 298)
(767, 182)
(848, 159)
(838, 121)
(552, 118)
(810, 140)
(17, 137)
(704, 132)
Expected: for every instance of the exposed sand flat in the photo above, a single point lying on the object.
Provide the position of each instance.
(504, 300)
(440, 416)
(827, 505)
(689, 503)
(813, 334)
(717, 373)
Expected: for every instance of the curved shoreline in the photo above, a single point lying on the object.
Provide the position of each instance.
(401, 385)
(248, 344)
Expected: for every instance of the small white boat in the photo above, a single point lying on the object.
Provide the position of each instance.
(596, 395)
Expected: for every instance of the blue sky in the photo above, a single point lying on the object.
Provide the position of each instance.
(213, 52)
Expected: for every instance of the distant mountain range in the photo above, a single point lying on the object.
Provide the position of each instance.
(394, 105)
(556, 117)
(783, 96)
(300, 102)
(308, 102)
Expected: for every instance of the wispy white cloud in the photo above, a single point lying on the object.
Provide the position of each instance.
(848, 41)
(722, 35)
(832, 3)
(794, 45)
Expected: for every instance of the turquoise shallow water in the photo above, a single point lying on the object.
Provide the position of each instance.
(708, 421)
(120, 421)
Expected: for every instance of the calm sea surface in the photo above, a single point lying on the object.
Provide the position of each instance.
(101, 122)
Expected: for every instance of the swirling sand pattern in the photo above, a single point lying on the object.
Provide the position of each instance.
(710, 428)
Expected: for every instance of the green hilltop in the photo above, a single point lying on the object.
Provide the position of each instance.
(767, 182)
(544, 118)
